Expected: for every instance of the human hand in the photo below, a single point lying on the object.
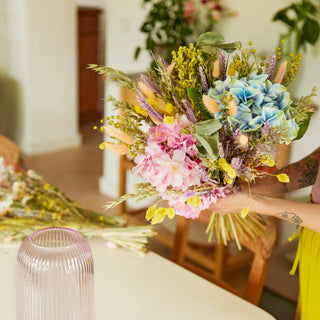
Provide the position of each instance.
(232, 203)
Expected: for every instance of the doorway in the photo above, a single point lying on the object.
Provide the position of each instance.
(90, 51)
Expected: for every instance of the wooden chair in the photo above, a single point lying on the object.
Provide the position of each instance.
(9, 151)
(212, 265)
(212, 270)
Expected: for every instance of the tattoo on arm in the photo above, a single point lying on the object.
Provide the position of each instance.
(285, 188)
(309, 173)
(290, 217)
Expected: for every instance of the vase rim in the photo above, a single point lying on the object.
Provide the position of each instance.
(68, 230)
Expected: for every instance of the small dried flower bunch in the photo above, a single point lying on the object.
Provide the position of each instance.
(29, 203)
(206, 122)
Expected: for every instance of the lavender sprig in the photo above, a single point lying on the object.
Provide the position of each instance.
(204, 82)
(148, 108)
(190, 113)
(272, 67)
(178, 105)
(150, 83)
(222, 66)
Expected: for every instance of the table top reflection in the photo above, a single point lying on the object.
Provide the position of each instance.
(128, 286)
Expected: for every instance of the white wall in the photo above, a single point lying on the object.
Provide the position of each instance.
(42, 62)
(122, 37)
(12, 68)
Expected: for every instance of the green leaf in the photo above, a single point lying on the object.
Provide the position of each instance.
(136, 53)
(196, 98)
(150, 43)
(230, 47)
(208, 145)
(208, 127)
(311, 31)
(282, 16)
(210, 39)
(304, 126)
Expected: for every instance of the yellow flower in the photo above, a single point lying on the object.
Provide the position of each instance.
(168, 120)
(150, 212)
(194, 201)
(232, 69)
(244, 212)
(284, 178)
(171, 213)
(154, 103)
(230, 172)
(159, 215)
(267, 160)
(138, 109)
(225, 166)
(46, 186)
(169, 108)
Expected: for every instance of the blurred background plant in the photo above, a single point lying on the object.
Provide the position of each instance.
(170, 24)
(302, 21)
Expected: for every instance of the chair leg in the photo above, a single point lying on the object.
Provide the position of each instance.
(257, 276)
(221, 252)
(180, 240)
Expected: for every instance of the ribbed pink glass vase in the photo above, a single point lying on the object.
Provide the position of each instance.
(55, 276)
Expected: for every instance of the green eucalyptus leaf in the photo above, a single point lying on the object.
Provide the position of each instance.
(230, 47)
(304, 126)
(208, 127)
(208, 145)
(210, 39)
(311, 31)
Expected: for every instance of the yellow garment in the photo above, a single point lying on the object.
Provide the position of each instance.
(308, 257)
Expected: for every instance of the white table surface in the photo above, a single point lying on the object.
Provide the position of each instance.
(128, 286)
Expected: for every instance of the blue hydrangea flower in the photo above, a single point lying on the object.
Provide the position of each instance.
(259, 102)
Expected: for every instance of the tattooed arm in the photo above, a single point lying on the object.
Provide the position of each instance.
(263, 197)
(301, 173)
(300, 213)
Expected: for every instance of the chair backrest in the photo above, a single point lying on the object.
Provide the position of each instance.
(261, 249)
(9, 151)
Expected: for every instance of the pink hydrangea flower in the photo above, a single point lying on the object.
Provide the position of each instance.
(170, 159)
(179, 202)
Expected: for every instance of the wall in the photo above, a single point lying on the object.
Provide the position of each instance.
(122, 37)
(41, 60)
(12, 68)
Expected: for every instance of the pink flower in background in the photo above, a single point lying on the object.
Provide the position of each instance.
(189, 9)
(216, 16)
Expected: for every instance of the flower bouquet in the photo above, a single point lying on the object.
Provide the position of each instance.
(204, 125)
(28, 203)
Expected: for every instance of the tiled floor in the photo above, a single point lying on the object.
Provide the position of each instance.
(76, 172)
